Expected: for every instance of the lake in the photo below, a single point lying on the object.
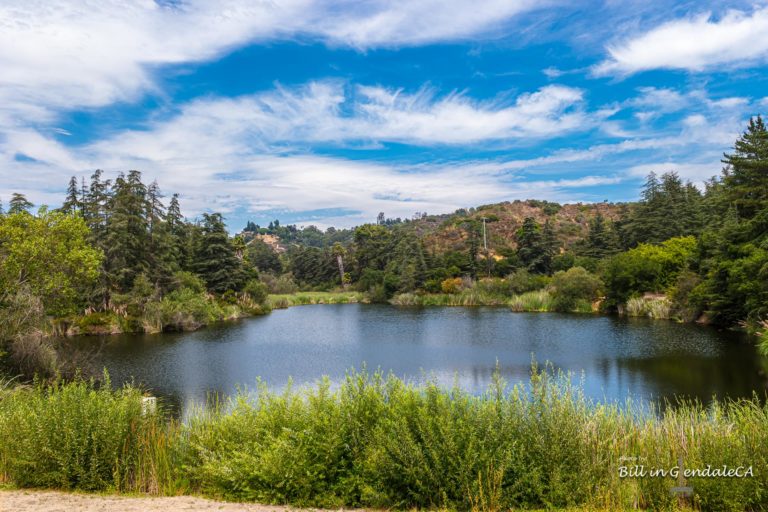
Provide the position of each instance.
(614, 357)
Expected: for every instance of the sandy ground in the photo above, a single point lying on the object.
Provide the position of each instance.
(51, 501)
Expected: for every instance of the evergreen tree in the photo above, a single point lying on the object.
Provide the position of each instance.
(19, 204)
(408, 263)
(533, 251)
(95, 207)
(72, 203)
(669, 208)
(263, 257)
(177, 229)
(745, 176)
(215, 259)
(601, 240)
(155, 208)
(126, 236)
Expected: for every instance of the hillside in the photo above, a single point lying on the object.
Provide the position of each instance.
(442, 233)
(448, 232)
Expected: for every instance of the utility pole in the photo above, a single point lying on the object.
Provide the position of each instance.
(485, 246)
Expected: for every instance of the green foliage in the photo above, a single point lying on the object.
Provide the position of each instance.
(647, 268)
(184, 279)
(47, 254)
(19, 204)
(314, 267)
(522, 281)
(74, 436)
(539, 300)
(187, 310)
(685, 304)
(536, 246)
(256, 290)
(574, 289)
(378, 442)
(669, 209)
(215, 259)
(279, 284)
(745, 178)
(263, 257)
(126, 232)
(601, 240)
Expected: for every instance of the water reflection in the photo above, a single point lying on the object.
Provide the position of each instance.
(618, 357)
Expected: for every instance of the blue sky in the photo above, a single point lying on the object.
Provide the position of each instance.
(327, 112)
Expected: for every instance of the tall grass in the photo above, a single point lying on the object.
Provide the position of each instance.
(659, 308)
(286, 300)
(377, 441)
(539, 300)
(74, 436)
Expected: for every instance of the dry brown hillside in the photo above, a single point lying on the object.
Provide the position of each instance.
(571, 222)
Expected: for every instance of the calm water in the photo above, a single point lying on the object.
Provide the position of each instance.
(619, 357)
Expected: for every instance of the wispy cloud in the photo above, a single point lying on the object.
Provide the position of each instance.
(695, 43)
(334, 112)
(59, 54)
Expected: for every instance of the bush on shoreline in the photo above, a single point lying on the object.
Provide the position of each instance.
(377, 441)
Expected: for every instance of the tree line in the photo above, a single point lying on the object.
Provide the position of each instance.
(706, 249)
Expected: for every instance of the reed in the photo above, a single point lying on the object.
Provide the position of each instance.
(282, 301)
(659, 308)
(539, 300)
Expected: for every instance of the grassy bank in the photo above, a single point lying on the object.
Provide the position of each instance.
(379, 442)
(533, 301)
(286, 300)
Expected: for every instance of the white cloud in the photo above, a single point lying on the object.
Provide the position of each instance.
(245, 153)
(62, 54)
(697, 173)
(329, 112)
(694, 44)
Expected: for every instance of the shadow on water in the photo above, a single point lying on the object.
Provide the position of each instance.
(614, 358)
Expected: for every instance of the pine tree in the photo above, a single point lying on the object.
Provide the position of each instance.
(408, 263)
(745, 176)
(126, 234)
(601, 240)
(95, 207)
(19, 204)
(155, 207)
(532, 250)
(72, 203)
(177, 231)
(550, 247)
(669, 208)
(215, 259)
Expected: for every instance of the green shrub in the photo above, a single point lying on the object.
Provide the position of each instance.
(256, 290)
(522, 281)
(186, 309)
(188, 280)
(279, 284)
(73, 436)
(493, 286)
(647, 268)
(573, 288)
(379, 442)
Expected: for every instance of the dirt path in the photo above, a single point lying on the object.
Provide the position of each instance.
(51, 501)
